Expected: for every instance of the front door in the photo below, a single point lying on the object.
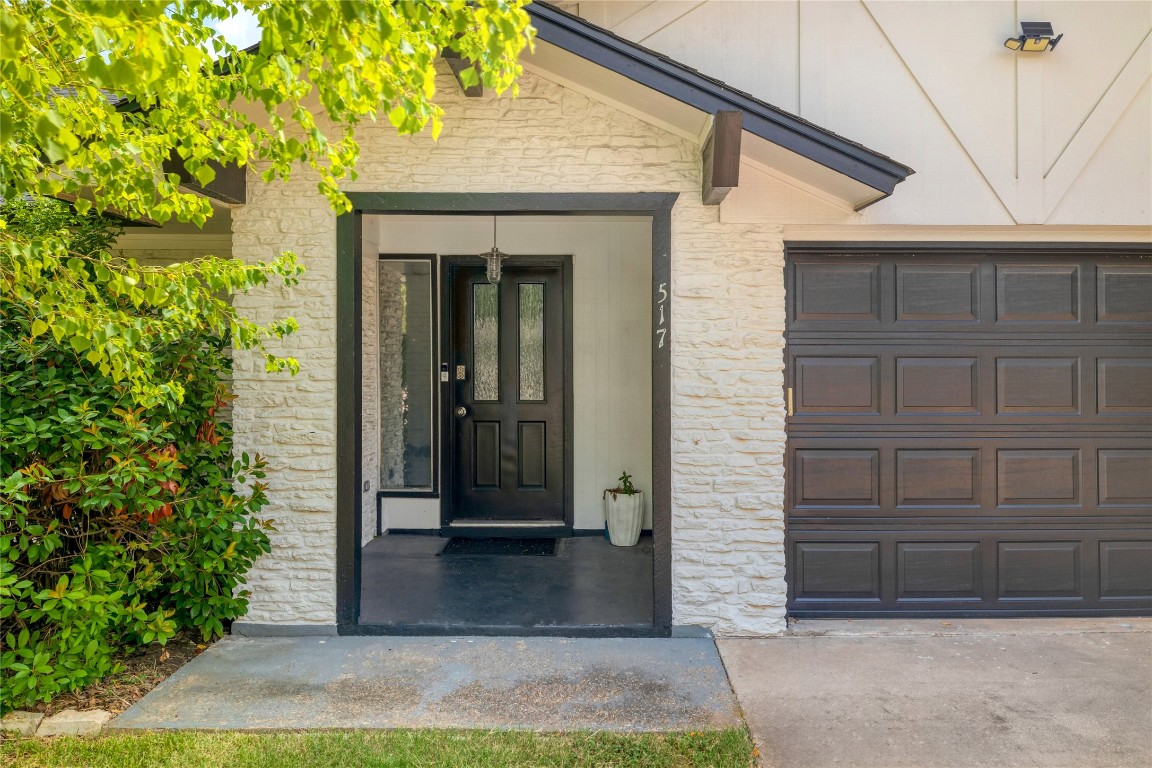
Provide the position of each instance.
(506, 411)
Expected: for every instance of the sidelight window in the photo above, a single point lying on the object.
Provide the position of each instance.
(407, 397)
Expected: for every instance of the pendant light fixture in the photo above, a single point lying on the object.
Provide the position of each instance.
(493, 258)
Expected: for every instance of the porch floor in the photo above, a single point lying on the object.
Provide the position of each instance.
(587, 585)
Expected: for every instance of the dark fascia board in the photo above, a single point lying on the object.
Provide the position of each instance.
(489, 203)
(707, 94)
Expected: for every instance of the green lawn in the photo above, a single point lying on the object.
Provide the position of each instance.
(423, 748)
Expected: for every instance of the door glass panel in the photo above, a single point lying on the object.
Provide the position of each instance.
(485, 342)
(531, 341)
(406, 387)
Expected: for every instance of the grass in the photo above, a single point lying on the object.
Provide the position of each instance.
(379, 749)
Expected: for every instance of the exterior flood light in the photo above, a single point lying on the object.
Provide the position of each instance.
(1036, 37)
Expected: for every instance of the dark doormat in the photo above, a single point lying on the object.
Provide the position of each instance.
(460, 545)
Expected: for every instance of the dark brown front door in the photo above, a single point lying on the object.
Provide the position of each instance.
(972, 433)
(507, 405)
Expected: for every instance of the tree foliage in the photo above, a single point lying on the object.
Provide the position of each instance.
(121, 523)
(58, 273)
(181, 88)
(125, 515)
(95, 96)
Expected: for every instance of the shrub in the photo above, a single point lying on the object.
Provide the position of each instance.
(125, 516)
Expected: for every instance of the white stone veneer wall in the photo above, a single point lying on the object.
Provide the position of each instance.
(727, 320)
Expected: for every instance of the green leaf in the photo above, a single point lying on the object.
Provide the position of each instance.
(205, 175)
(38, 327)
(398, 116)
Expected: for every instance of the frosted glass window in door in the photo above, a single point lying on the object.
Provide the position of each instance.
(485, 342)
(531, 310)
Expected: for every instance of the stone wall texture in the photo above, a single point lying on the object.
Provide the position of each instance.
(370, 407)
(727, 323)
(391, 382)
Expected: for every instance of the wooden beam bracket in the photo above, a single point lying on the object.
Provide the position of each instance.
(229, 186)
(720, 157)
(458, 66)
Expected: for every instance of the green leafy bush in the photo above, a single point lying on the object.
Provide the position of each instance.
(125, 516)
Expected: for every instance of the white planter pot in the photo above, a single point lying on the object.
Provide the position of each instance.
(625, 515)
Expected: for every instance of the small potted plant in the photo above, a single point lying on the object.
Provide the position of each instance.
(624, 512)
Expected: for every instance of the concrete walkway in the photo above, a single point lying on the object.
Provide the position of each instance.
(1037, 693)
(545, 684)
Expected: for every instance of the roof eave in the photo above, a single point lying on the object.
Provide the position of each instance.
(690, 87)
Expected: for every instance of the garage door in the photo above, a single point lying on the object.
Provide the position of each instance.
(971, 432)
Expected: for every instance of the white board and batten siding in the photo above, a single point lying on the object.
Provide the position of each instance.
(997, 138)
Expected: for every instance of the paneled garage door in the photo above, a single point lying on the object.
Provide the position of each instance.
(971, 432)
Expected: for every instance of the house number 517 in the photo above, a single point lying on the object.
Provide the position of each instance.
(661, 300)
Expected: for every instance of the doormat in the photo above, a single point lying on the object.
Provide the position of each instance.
(466, 545)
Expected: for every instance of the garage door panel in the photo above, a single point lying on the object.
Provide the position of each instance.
(1124, 294)
(939, 570)
(841, 292)
(1125, 478)
(937, 385)
(970, 477)
(938, 478)
(975, 573)
(971, 432)
(838, 570)
(1124, 385)
(929, 294)
(1037, 292)
(835, 478)
(1125, 570)
(1038, 478)
(935, 292)
(979, 384)
(848, 385)
(1040, 570)
(1038, 385)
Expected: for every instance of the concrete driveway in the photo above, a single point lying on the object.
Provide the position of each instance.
(1024, 693)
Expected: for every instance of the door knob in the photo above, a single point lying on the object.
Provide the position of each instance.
(461, 411)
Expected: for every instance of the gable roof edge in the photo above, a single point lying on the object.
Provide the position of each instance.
(707, 94)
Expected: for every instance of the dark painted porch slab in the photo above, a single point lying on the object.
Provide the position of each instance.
(549, 684)
(587, 584)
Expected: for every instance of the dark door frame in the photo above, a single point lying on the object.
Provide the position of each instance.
(448, 422)
(349, 367)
